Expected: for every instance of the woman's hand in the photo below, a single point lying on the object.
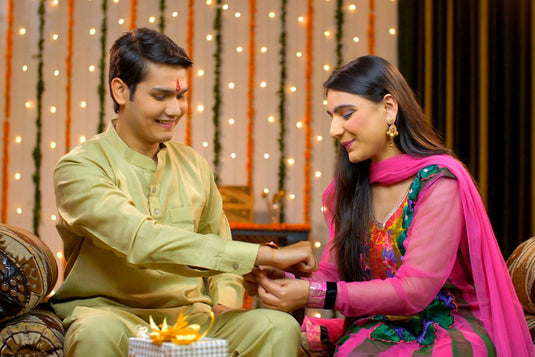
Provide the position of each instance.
(298, 258)
(283, 294)
(250, 281)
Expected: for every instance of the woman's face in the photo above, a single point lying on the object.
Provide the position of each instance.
(360, 125)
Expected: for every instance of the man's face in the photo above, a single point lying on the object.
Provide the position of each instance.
(150, 116)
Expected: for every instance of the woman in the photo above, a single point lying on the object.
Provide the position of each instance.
(412, 261)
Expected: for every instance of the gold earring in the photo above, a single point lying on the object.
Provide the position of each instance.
(392, 131)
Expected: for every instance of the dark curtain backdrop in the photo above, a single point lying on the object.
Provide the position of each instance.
(470, 64)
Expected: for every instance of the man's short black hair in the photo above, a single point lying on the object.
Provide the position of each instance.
(131, 54)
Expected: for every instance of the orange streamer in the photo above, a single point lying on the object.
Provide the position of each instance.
(308, 110)
(133, 14)
(270, 226)
(68, 87)
(189, 49)
(7, 110)
(250, 92)
(371, 28)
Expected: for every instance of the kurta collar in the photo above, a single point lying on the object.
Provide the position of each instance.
(130, 155)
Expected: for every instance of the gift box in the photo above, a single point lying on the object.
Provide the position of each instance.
(205, 347)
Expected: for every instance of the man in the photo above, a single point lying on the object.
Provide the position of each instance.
(142, 223)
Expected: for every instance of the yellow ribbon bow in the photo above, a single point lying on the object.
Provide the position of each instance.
(181, 333)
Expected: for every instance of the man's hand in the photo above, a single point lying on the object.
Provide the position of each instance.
(298, 258)
(219, 309)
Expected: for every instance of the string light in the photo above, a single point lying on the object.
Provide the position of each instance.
(291, 196)
(200, 73)
(27, 104)
(24, 68)
(152, 19)
(53, 109)
(92, 31)
(174, 14)
(209, 37)
(52, 144)
(319, 138)
(317, 174)
(200, 108)
(231, 85)
(17, 176)
(121, 21)
(266, 156)
(231, 121)
(233, 155)
(392, 31)
(239, 49)
(55, 36)
(299, 124)
(263, 84)
(317, 244)
(19, 210)
(56, 73)
(271, 14)
(54, 218)
(82, 139)
(352, 7)
(18, 139)
(22, 31)
(299, 54)
(263, 49)
(291, 161)
(356, 39)
(237, 15)
(205, 144)
(271, 119)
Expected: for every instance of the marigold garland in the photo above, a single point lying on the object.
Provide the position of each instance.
(371, 28)
(217, 90)
(308, 110)
(189, 49)
(101, 66)
(282, 108)
(250, 92)
(133, 14)
(339, 18)
(7, 110)
(162, 16)
(68, 70)
(36, 154)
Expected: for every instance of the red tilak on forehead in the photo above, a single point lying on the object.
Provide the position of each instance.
(178, 88)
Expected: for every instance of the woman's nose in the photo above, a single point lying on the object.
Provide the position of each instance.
(336, 130)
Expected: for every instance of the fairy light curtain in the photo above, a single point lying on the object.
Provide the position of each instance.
(250, 89)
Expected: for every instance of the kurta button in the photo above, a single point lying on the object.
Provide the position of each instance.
(156, 211)
(235, 266)
(154, 190)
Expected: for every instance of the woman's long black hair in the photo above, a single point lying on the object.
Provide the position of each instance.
(372, 78)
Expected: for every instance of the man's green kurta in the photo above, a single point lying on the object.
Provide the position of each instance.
(140, 234)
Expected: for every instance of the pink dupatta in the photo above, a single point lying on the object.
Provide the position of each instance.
(500, 310)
